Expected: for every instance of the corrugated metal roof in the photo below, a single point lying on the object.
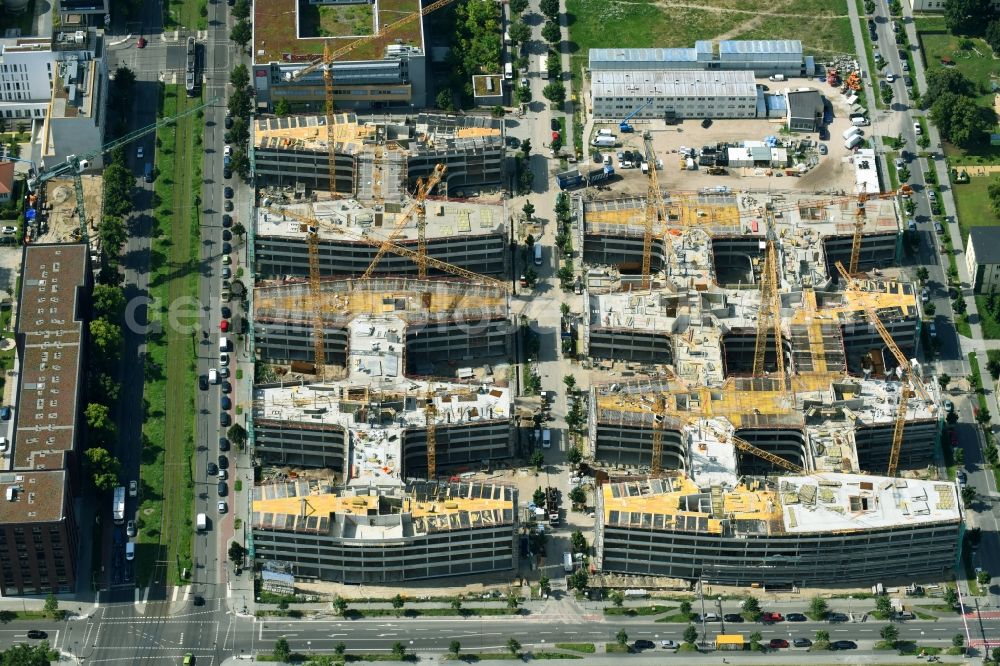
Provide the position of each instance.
(760, 46)
(673, 83)
(643, 55)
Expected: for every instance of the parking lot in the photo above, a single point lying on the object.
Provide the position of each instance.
(823, 173)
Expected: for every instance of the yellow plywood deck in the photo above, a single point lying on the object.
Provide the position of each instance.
(328, 503)
(741, 504)
(344, 131)
(375, 301)
(850, 305)
(730, 401)
(716, 217)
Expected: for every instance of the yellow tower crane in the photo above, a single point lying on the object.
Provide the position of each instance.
(430, 413)
(769, 315)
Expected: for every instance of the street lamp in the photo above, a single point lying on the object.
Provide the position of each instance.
(722, 619)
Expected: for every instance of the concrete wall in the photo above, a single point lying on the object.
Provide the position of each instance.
(630, 345)
(464, 445)
(624, 252)
(874, 443)
(616, 443)
(286, 342)
(300, 445)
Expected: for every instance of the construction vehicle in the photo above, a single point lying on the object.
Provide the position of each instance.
(624, 126)
(906, 375)
(77, 164)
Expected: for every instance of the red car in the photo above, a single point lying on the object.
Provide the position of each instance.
(771, 617)
(224, 325)
(141, 44)
(777, 643)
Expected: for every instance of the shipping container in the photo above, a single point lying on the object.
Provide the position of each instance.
(569, 179)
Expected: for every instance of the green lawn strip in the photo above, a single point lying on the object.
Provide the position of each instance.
(638, 610)
(678, 617)
(926, 616)
(890, 163)
(687, 647)
(977, 379)
(870, 55)
(615, 647)
(554, 655)
(989, 324)
(588, 648)
(973, 203)
(476, 656)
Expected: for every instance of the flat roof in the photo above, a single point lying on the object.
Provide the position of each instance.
(32, 496)
(823, 503)
(413, 300)
(658, 55)
(743, 46)
(445, 218)
(673, 83)
(866, 172)
(276, 25)
(311, 506)
(49, 339)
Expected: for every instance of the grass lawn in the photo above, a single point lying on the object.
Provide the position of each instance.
(977, 64)
(336, 21)
(553, 655)
(640, 610)
(191, 14)
(164, 539)
(679, 617)
(973, 203)
(615, 647)
(991, 327)
(588, 648)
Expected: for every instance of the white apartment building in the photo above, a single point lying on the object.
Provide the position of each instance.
(25, 77)
(674, 93)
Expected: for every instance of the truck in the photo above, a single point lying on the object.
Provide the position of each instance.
(605, 141)
(569, 179)
(624, 126)
(568, 562)
(118, 506)
(508, 71)
(543, 68)
(552, 503)
(597, 175)
(201, 522)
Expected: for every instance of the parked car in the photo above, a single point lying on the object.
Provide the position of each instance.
(554, 125)
(669, 645)
(226, 247)
(962, 477)
(225, 420)
(138, 153)
(226, 387)
(227, 151)
(213, 469)
(222, 488)
(5, 413)
(223, 443)
(223, 462)
(223, 475)
(802, 642)
(796, 617)
(227, 192)
(227, 172)
(133, 488)
(203, 382)
(37, 633)
(228, 206)
(733, 617)
(890, 77)
(710, 617)
(130, 528)
(229, 122)
(771, 617)
(837, 617)
(227, 220)
(777, 643)
(843, 645)
(823, 149)
(917, 129)
(225, 403)
(226, 312)
(643, 645)
(222, 506)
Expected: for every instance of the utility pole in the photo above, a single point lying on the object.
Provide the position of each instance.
(701, 595)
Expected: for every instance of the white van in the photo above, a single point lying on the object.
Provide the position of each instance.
(508, 71)
(776, 77)
(859, 121)
(851, 131)
(201, 522)
(130, 551)
(854, 142)
(538, 254)
(223, 343)
(213, 376)
(605, 132)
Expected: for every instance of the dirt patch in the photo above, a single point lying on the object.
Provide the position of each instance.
(60, 200)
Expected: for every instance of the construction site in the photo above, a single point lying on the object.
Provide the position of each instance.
(421, 530)
(381, 157)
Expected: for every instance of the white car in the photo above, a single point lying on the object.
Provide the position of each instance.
(223, 475)
(890, 77)
(917, 129)
(224, 373)
(138, 153)
(224, 360)
(130, 528)
(133, 488)
(227, 151)
(9, 231)
(222, 506)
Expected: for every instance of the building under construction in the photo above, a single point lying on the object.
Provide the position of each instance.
(822, 530)
(373, 423)
(294, 151)
(369, 535)
(471, 236)
(442, 320)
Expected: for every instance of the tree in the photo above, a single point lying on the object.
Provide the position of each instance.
(398, 602)
(124, 79)
(970, 123)
(621, 637)
(578, 580)
(883, 607)
(241, 33)
(240, 163)
(51, 607)
(519, 32)
(339, 649)
(755, 639)
(517, 7)
(456, 604)
(887, 95)
(445, 99)
(992, 35)
(578, 541)
(983, 577)
(578, 496)
(922, 274)
(930, 309)
(398, 651)
(109, 301)
(237, 552)
(239, 78)
(538, 497)
(98, 417)
(497, 111)
(685, 609)
(528, 209)
(822, 636)
(555, 92)
(340, 605)
(241, 9)
(103, 468)
(512, 601)
(513, 646)
(544, 585)
(107, 338)
(570, 382)
(237, 435)
(551, 32)
(549, 8)
(943, 380)
(818, 608)
(751, 608)
(537, 459)
(690, 634)
(950, 596)
(553, 62)
(573, 455)
(889, 634)
(282, 107)
(523, 94)
(967, 17)
(282, 651)
(617, 598)
(525, 147)
(454, 647)
(947, 80)
(958, 640)
(968, 496)
(996, 654)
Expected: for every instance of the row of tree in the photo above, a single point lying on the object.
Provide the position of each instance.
(476, 47)
(240, 106)
(242, 31)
